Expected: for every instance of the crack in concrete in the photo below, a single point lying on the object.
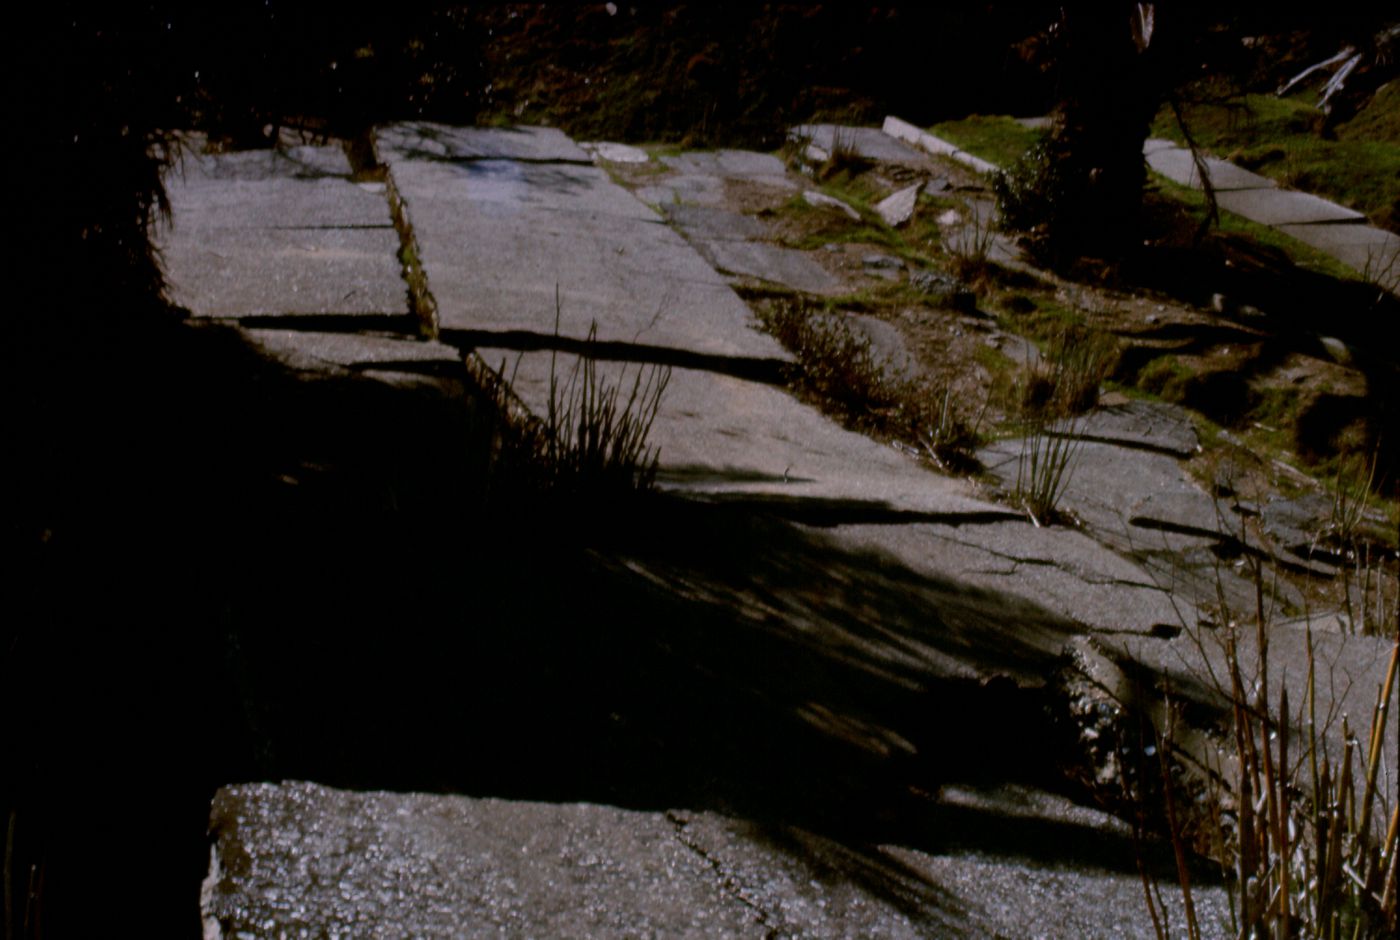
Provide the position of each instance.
(767, 371)
(728, 883)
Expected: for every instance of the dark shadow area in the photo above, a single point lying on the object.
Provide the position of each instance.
(273, 575)
(749, 368)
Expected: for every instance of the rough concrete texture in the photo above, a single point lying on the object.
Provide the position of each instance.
(1148, 425)
(299, 859)
(1285, 207)
(1061, 570)
(1177, 165)
(772, 263)
(425, 140)
(498, 238)
(706, 223)
(869, 143)
(264, 233)
(898, 208)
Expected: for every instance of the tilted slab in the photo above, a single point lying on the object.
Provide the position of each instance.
(256, 234)
(243, 272)
(304, 162)
(903, 130)
(498, 238)
(1285, 207)
(774, 263)
(426, 140)
(868, 142)
(1371, 251)
(724, 436)
(1143, 424)
(304, 860)
(380, 355)
(1177, 165)
(278, 204)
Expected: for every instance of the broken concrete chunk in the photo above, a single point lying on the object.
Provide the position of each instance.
(897, 208)
(823, 201)
(609, 152)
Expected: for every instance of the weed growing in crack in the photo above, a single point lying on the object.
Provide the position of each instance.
(1299, 832)
(1044, 469)
(969, 243)
(592, 441)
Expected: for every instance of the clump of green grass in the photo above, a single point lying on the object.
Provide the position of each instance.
(592, 440)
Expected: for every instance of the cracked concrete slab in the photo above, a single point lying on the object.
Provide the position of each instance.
(302, 859)
(610, 258)
(427, 140)
(727, 437)
(1371, 251)
(871, 143)
(1177, 165)
(1144, 424)
(1285, 207)
(772, 263)
(244, 272)
(732, 164)
(254, 234)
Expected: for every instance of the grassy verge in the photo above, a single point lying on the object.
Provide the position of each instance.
(1280, 138)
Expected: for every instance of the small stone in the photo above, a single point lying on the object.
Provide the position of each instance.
(1338, 350)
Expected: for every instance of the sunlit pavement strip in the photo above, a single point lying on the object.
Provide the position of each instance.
(506, 221)
(1332, 229)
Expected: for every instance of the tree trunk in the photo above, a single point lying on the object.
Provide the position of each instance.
(1107, 100)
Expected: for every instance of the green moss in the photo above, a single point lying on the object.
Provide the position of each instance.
(1166, 377)
(997, 138)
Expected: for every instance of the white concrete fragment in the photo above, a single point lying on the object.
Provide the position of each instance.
(611, 152)
(822, 200)
(898, 208)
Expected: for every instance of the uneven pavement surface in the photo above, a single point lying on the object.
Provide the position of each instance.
(874, 597)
